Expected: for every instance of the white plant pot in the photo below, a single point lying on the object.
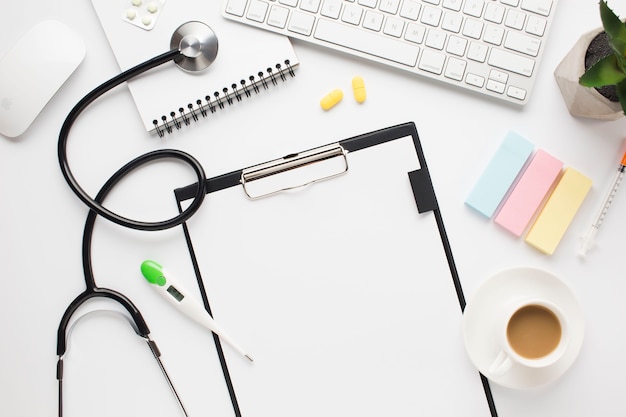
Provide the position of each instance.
(583, 101)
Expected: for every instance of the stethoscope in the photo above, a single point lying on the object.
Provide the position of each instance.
(194, 47)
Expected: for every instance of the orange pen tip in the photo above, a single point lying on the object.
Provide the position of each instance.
(624, 159)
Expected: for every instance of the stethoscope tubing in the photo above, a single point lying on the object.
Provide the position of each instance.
(96, 208)
(158, 154)
(92, 290)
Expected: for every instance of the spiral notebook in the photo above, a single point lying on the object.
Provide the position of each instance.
(249, 61)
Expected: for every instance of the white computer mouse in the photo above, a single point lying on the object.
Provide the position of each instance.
(32, 72)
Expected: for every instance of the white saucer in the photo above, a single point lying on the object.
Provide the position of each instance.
(481, 310)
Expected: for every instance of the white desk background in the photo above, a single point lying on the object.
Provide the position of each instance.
(41, 221)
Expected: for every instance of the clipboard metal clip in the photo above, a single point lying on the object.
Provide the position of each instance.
(294, 171)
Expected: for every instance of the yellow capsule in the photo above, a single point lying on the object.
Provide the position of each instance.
(331, 99)
(358, 87)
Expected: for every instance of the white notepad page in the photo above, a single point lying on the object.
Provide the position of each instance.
(242, 51)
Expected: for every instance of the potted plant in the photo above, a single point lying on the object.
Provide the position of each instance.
(592, 77)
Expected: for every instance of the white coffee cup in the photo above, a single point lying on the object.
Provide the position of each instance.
(533, 333)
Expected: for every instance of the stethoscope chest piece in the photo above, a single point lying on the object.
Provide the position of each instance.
(197, 44)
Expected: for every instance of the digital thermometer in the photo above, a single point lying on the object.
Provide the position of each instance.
(172, 291)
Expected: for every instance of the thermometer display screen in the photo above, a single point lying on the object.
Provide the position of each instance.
(175, 293)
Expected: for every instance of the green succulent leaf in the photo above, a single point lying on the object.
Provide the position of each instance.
(621, 95)
(615, 29)
(605, 72)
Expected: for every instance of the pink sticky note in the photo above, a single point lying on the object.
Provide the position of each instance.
(529, 192)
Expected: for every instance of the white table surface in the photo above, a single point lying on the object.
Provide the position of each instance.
(42, 221)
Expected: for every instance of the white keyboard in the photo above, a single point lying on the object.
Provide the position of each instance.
(489, 46)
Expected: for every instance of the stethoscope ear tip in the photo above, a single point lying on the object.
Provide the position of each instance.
(197, 44)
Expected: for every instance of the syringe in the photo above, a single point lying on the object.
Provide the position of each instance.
(589, 238)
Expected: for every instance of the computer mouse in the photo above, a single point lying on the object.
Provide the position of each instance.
(33, 71)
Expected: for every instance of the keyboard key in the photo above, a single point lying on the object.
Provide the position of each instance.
(431, 16)
(515, 19)
(432, 61)
(389, 6)
(331, 8)
(541, 7)
(435, 39)
(452, 22)
(475, 80)
(394, 27)
(368, 3)
(310, 5)
(366, 42)
(494, 13)
(536, 25)
(498, 76)
(525, 44)
(352, 14)
(410, 9)
(477, 52)
(495, 86)
(301, 23)
(257, 10)
(456, 46)
(516, 92)
(493, 35)
(473, 28)
(452, 4)
(455, 69)
(474, 7)
(278, 17)
(415, 33)
(236, 7)
(373, 21)
(511, 62)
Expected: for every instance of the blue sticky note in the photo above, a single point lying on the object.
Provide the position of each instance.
(500, 173)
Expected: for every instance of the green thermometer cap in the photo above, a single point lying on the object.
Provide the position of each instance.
(153, 272)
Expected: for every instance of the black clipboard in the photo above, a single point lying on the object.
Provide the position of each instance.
(329, 341)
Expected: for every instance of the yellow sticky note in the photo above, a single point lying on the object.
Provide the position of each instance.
(559, 211)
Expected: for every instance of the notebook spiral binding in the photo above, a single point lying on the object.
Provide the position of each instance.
(210, 104)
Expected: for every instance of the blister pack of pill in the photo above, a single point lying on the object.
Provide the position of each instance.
(142, 13)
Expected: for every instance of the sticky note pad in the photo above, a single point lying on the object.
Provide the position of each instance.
(559, 211)
(527, 195)
(500, 173)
